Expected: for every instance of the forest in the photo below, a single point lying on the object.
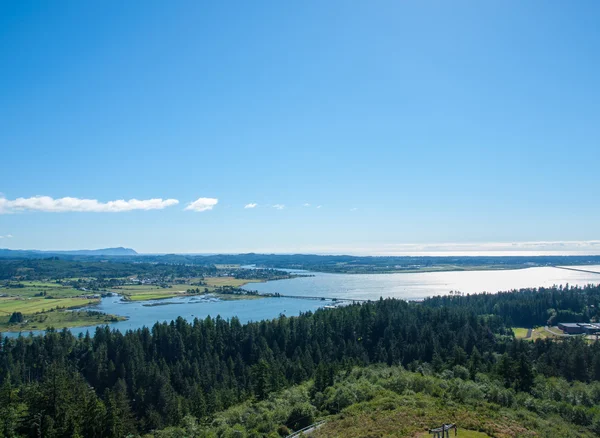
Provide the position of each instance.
(312, 262)
(112, 384)
(529, 307)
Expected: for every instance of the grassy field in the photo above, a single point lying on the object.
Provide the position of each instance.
(33, 288)
(163, 295)
(152, 292)
(537, 333)
(58, 319)
(40, 304)
(227, 281)
(41, 312)
(154, 295)
(520, 332)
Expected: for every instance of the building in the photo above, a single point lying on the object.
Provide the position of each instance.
(571, 328)
(579, 328)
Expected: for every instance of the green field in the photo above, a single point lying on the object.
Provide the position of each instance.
(58, 319)
(40, 311)
(228, 281)
(162, 295)
(33, 288)
(39, 304)
(152, 292)
(520, 332)
(47, 310)
(143, 296)
(536, 333)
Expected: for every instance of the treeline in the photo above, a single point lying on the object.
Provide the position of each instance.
(367, 264)
(313, 262)
(111, 384)
(261, 274)
(57, 268)
(149, 379)
(392, 401)
(529, 307)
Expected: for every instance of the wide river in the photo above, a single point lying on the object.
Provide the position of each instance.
(426, 284)
(356, 286)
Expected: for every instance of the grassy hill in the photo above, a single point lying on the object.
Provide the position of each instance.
(382, 401)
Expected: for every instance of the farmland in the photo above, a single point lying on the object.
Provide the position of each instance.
(44, 304)
(212, 285)
(40, 303)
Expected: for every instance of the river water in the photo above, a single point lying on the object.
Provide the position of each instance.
(355, 286)
(426, 284)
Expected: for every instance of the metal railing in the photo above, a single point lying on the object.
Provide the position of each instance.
(304, 429)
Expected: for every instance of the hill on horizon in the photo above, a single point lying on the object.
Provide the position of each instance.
(119, 251)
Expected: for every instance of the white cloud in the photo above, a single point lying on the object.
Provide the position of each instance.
(202, 204)
(251, 205)
(279, 206)
(7, 236)
(306, 204)
(318, 206)
(67, 204)
(353, 209)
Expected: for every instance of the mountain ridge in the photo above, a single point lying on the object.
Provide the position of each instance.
(117, 251)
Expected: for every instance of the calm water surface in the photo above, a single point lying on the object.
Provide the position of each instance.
(357, 286)
(421, 285)
(146, 313)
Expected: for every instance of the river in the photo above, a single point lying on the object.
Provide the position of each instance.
(420, 285)
(354, 286)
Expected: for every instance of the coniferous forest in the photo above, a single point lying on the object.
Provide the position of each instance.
(112, 384)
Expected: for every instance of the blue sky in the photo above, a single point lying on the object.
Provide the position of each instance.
(406, 122)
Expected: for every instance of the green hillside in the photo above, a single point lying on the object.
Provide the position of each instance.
(381, 401)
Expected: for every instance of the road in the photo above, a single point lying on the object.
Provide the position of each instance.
(555, 333)
(578, 270)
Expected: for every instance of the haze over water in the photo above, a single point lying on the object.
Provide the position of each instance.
(421, 285)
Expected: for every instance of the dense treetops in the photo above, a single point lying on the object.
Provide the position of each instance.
(529, 307)
(113, 383)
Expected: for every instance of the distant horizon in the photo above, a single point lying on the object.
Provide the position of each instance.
(500, 249)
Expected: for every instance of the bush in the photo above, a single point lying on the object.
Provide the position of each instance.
(301, 416)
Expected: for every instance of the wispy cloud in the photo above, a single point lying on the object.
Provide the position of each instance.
(534, 248)
(318, 206)
(6, 236)
(306, 204)
(202, 204)
(353, 209)
(279, 206)
(68, 204)
(251, 205)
